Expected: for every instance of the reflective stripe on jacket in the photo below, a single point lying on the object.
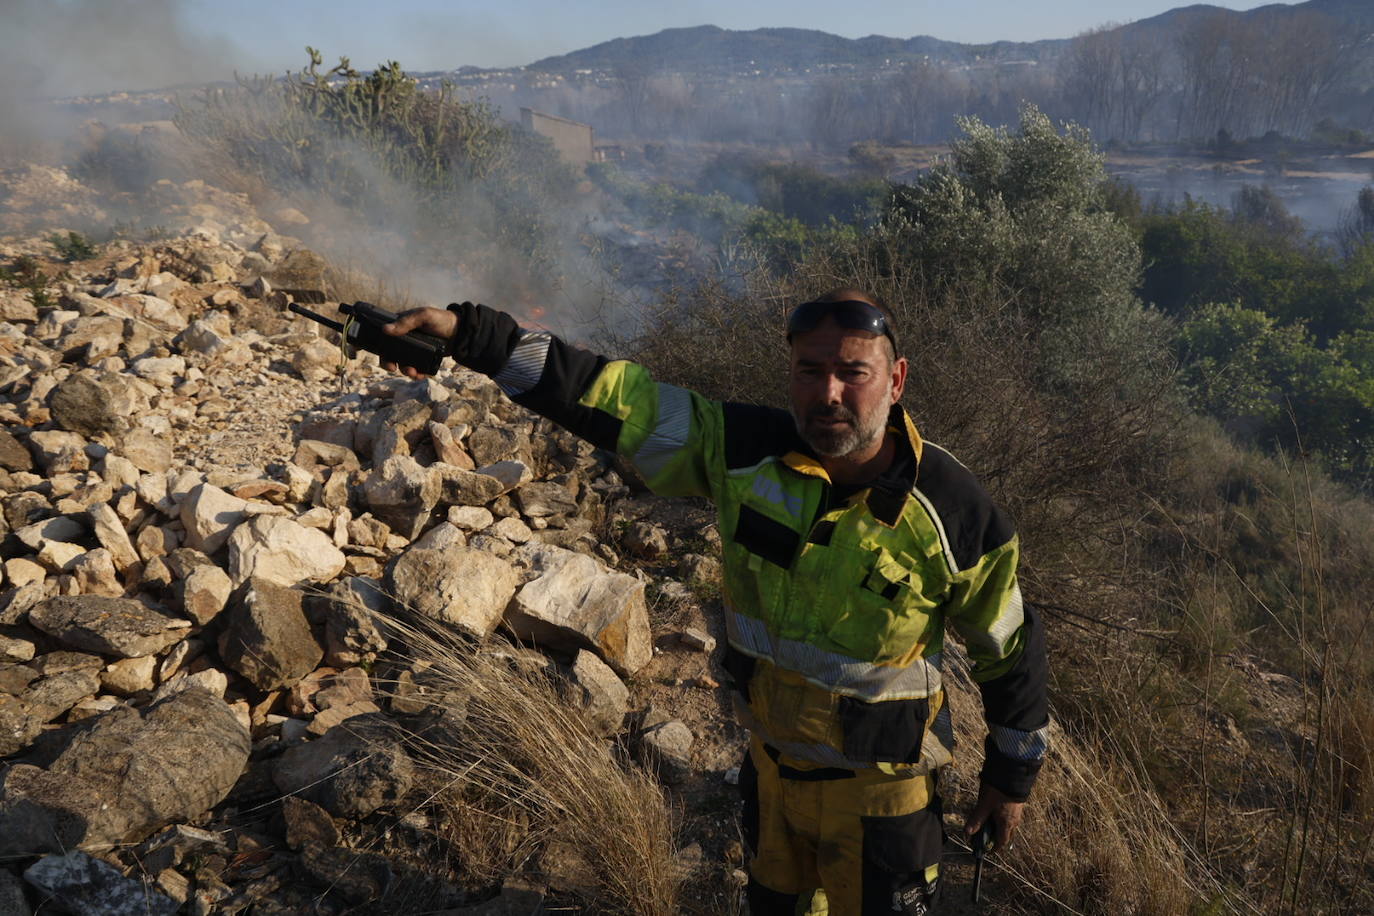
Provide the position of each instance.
(835, 613)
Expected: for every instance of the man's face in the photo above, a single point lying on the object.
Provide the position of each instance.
(842, 385)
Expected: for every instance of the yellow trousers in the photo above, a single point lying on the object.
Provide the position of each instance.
(866, 842)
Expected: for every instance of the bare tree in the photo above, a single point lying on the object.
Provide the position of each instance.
(1214, 60)
(1087, 74)
(922, 100)
(632, 80)
(1139, 80)
(1302, 60)
(832, 102)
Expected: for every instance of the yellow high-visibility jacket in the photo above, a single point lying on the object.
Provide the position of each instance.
(836, 603)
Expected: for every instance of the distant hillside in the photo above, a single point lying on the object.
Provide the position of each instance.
(710, 48)
(1356, 13)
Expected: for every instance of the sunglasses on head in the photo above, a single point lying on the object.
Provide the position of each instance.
(851, 314)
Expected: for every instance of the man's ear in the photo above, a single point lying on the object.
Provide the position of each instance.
(899, 367)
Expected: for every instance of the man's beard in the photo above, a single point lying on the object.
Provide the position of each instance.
(838, 441)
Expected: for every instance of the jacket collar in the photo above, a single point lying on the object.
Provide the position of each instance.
(888, 493)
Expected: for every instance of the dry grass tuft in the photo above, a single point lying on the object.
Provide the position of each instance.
(1096, 839)
(524, 786)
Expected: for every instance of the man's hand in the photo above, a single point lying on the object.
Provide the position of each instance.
(1005, 814)
(439, 322)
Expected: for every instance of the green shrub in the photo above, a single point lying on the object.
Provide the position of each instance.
(28, 275)
(73, 246)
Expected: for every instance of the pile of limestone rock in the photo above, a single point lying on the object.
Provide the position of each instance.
(187, 619)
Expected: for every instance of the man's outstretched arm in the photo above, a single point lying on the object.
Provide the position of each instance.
(668, 433)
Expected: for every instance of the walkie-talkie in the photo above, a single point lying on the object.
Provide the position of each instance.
(363, 329)
(982, 843)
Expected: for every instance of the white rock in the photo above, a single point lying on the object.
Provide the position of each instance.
(469, 518)
(211, 679)
(300, 483)
(94, 572)
(57, 555)
(20, 571)
(442, 537)
(161, 312)
(576, 603)
(512, 529)
(511, 473)
(281, 551)
(402, 493)
(466, 588)
(129, 675)
(209, 516)
(318, 517)
(181, 653)
(14, 649)
(697, 639)
(109, 531)
(316, 360)
(147, 450)
(58, 528)
(119, 471)
(162, 371)
(604, 696)
(204, 593)
(152, 489)
(181, 482)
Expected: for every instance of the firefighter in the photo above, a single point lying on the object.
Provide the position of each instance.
(849, 544)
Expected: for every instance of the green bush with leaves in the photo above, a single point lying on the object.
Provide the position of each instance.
(1274, 322)
(1021, 216)
(1021, 220)
(27, 274)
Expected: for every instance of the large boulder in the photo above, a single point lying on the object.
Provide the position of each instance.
(89, 404)
(267, 638)
(132, 773)
(282, 551)
(464, 587)
(109, 626)
(576, 603)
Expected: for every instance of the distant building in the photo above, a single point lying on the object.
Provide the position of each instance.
(574, 141)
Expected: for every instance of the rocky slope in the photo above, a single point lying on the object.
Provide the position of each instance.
(209, 519)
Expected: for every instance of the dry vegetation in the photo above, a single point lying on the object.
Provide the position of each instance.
(521, 785)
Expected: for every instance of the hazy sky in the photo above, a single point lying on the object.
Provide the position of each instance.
(434, 35)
